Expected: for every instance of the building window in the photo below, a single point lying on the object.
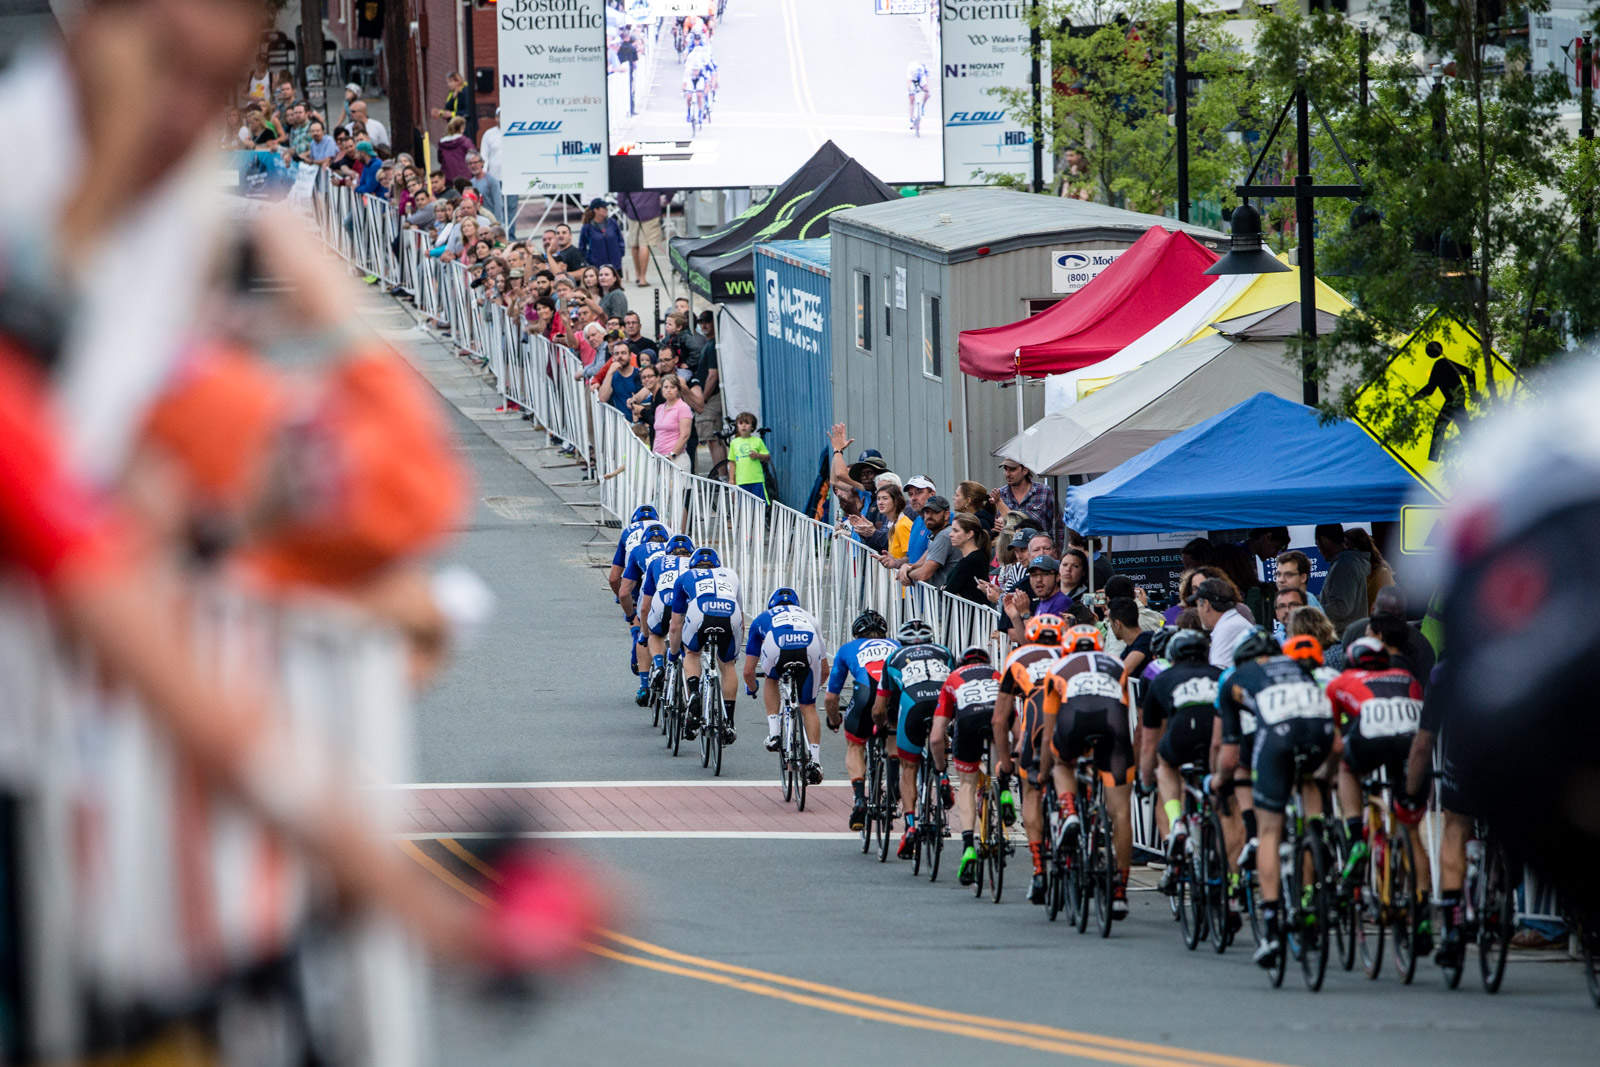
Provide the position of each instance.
(863, 311)
(932, 345)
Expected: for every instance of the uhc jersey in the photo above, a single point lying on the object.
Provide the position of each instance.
(632, 534)
(1377, 703)
(639, 558)
(662, 574)
(786, 626)
(1268, 692)
(706, 592)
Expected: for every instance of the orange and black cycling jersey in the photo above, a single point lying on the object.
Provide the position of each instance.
(1025, 670)
(1091, 680)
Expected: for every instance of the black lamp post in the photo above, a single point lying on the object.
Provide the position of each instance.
(1241, 261)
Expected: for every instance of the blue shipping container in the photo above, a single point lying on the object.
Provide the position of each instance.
(796, 361)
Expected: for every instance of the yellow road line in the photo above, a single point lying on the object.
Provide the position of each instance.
(842, 1001)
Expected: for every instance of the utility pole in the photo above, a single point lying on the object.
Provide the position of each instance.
(1586, 134)
(471, 72)
(1035, 45)
(1305, 207)
(1366, 45)
(313, 74)
(1181, 88)
(397, 54)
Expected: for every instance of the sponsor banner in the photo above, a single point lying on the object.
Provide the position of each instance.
(1071, 270)
(984, 46)
(794, 315)
(553, 95)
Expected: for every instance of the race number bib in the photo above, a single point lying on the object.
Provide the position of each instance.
(979, 691)
(1093, 684)
(922, 671)
(1292, 700)
(1201, 690)
(1038, 669)
(1389, 716)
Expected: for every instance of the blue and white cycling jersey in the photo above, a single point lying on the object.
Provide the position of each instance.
(632, 534)
(639, 558)
(788, 634)
(710, 593)
(660, 579)
(917, 74)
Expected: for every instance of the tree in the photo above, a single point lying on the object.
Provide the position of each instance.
(1106, 110)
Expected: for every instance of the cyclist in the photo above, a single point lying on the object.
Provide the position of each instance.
(1019, 714)
(861, 659)
(966, 707)
(1243, 823)
(653, 544)
(1086, 711)
(1177, 714)
(627, 541)
(910, 685)
(656, 594)
(787, 634)
(1378, 708)
(707, 599)
(918, 83)
(695, 82)
(1293, 716)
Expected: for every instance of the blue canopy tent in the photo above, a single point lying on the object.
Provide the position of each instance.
(1265, 462)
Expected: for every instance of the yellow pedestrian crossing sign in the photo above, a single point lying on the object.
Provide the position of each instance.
(1434, 385)
(1421, 528)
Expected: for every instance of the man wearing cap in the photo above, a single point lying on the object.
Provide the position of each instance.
(1041, 595)
(941, 555)
(600, 240)
(1023, 493)
(919, 489)
(1219, 614)
(367, 158)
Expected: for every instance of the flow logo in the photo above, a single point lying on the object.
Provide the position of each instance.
(976, 118)
(531, 129)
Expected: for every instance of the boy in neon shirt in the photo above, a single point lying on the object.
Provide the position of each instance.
(747, 453)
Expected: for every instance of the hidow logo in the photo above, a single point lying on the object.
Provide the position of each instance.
(527, 129)
(976, 118)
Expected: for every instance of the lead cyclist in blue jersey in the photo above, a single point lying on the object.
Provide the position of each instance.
(861, 660)
(918, 83)
(782, 635)
(653, 544)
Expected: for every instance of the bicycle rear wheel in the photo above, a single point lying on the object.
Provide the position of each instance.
(1342, 911)
(1311, 876)
(874, 795)
(1371, 916)
(934, 828)
(720, 724)
(1496, 916)
(885, 813)
(1103, 869)
(996, 833)
(919, 838)
(1403, 901)
(1214, 882)
(797, 764)
(785, 767)
(1191, 891)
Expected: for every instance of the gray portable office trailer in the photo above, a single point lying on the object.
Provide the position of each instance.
(909, 275)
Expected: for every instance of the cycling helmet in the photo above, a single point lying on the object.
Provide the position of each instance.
(783, 596)
(1083, 638)
(975, 654)
(1159, 639)
(1253, 644)
(644, 512)
(656, 532)
(704, 557)
(869, 622)
(914, 632)
(1305, 648)
(680, 545)
(1367, 654)
(1044, 630)
(1188, 644)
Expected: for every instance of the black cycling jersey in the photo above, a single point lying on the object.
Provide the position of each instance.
(1267, 692)
(1178, 689)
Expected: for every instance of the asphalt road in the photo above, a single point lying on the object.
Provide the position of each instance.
(764, 948)
(792, 74)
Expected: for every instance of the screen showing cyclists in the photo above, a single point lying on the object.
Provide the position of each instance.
(741, 92)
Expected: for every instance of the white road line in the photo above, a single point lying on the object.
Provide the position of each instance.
(753, 835)
(421, 786)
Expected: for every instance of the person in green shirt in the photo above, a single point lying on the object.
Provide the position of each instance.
(747, 452)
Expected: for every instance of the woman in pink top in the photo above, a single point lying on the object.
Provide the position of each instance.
(673, 419)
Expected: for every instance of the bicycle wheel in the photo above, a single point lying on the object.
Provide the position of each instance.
(1081, 876)
(675, 734)
(998, 845)
(885, 815)
(1103, 868)
(655, 698)
(934, 828)
(1342, 911)
(797, 762)
(917, 839)
(785, 769)
(1496, 916)
(717, 724)
(1311, 872)
(1191, 904)
(1404, 904)
(1214, 882)
(874, 791)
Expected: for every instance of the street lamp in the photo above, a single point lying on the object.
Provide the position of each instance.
(1247, 253)
(1305, 196)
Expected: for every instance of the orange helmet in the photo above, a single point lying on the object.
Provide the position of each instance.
(1083, 638)
(1043, 630)
(1304, 647)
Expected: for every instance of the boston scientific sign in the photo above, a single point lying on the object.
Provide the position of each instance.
(549, 15)
(953, 11)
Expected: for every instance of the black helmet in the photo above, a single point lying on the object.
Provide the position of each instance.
(1159, 639)
(869, 622)
(975, 654)
(1253, 644)
(1367, 654)
(1189, 644)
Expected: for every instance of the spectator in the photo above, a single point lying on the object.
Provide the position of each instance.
(1022, 492)
(1294, 572)
(455, 101)
(566, 251)
(260, 83)
(1040, 595)
(486, 185)
(1074, 573)
(1266, 542)
(1344, 591)
(706, 393)
(1013, 561)
(1120, 587)
(674, 420)
(748, 455)
(454, 147)
(282, 102)
(613, 301)
(1235, 562)
(491, 143)
(367, 160)
(919, 489)
(633, 330)
(970, 539)
(376, 133)
(1218, 605)
(643, 404)
(934, 567)
(600, 240)
(1132, 640)
(678, 336)
(892, 505)
(1312, 621)
(320, 148)
(1381, 575)
(643, 210)
(973, 498)
(1287, 603)
(619, 382)
(257, 133)
(1195, 554)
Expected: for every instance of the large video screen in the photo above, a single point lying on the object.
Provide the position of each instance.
(741, 92)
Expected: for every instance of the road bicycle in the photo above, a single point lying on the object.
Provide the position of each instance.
(673, 704)
(794, 754)
(699, 113)
(713, 710)
(880, 808)
(989, 836)
(1202, 887)
(1383, 890)
(1488, 909)
(1096, 860)
(928, 841)
(1303, 878)
(1061, 888)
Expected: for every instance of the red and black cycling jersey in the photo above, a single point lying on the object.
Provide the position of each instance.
(1385, 703)
(969, 690)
